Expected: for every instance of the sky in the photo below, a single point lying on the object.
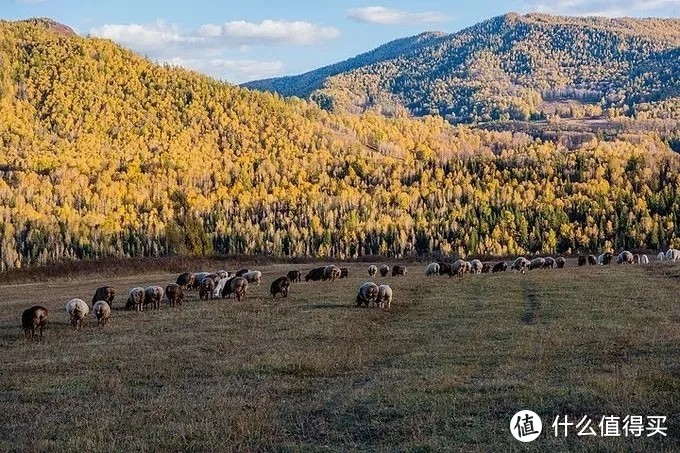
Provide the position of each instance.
(238, 41)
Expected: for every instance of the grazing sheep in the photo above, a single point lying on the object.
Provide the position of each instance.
(222, 274)
(560, 262)
(367, 294)
(476, 267)
(644, 259)
(331, 272)
(207, 288)
(315, 274)
(384, 297)
(106, 293)
(135, 299)
(432, 269)
(198, 279)
(372, 270)
(253, 277)
(536, 263)
(582, 260)
(219, 288)
(549, 262)
(661, 256)
(460, 267)
(384, 270)
(592, 260)
(486, 268)
(34, 318)
(445, 268)
(500, 267)
(295, 276)
(398, 270)
(241, 272)
(636, 259)
(344, 272)
(521, 264)
(102, 312)
(625, 257)
(605, 259)
(186, 280)
(673, 255)
(175, 294)
(280, 286)
(153, 295)
(77, 310)
(238, 287)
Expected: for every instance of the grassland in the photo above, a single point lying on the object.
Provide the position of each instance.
(443, 370)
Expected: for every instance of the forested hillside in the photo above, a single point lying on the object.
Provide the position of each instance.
(105, 153)
(510, 67)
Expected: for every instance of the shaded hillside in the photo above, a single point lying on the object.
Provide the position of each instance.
(506, 67)
(104, 153)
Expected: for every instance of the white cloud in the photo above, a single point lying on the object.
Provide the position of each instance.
(277, 31)
(388, 16)
(610, 8)
(236, 71)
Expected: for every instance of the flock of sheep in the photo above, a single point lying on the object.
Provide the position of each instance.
(224, 284)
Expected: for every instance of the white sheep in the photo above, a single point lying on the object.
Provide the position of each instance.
(135, 299)
(432, 269)
(331, 272)
(101, 311)
(460, 267)
(661, 256)
(367, 294)
(372, 270)
(253, 277)
(536, 263)
(644, 259)
(384, 298)
(476, 266)
(77, 310)
(673, 254)
(625, 257)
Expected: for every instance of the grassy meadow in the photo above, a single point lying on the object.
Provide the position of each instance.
(443, 370)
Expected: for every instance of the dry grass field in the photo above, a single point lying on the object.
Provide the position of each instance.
(443, 370)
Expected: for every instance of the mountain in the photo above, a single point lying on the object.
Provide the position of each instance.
(104, 153)
(509, 67)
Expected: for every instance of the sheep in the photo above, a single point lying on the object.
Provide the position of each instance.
(106, 293)
(445, 268)
(294, 276)
(536, 263)
(499, 267)
(344, 272)
(135, 299)
(367, 294)
(460, 267)
(253, 277)
(625, 257)
(673, 255)
(153, 295)
(34, 318)
(77, 310)
(102, 312)
(219, 288)
(315, 274)
(486, 268)
(175, 294)
(661, 256)
(398, 270)
(432, 269)
(476, 267)
(560, 262)
(636, 259)
(644, 259)
(582, 260)
(280, 286)
(207, 288)
(241, 272)
(549, 262)
(186, 280)
(384, 270)
(605, 259)
(372, 270)
(222, 274)
(384, 297)
(331, 272)
(238, 287)
(592, 260)
(521, 264)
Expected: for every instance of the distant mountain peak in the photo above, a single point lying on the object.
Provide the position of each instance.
(51, 25)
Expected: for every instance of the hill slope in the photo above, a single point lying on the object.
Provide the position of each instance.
(105, 153)
(505, 68)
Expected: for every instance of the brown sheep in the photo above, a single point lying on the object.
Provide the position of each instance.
(238, 287)
(398, 270)
(500, 267)
(174, 294)
(186, 280)
(445, 268)
(384, 270)
(315, 274)
(560, 262)
(582, 260)
(153, 296)
(34, 318)
(280, 286)
(372, 270)
(486, 268)
(592, 260)
(295, 276)
(207, 288)
(105, 293)
(135, 299)
(102, 312)
(331, 272)
(344, 272)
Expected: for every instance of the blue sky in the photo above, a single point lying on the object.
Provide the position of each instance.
(239, 41)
